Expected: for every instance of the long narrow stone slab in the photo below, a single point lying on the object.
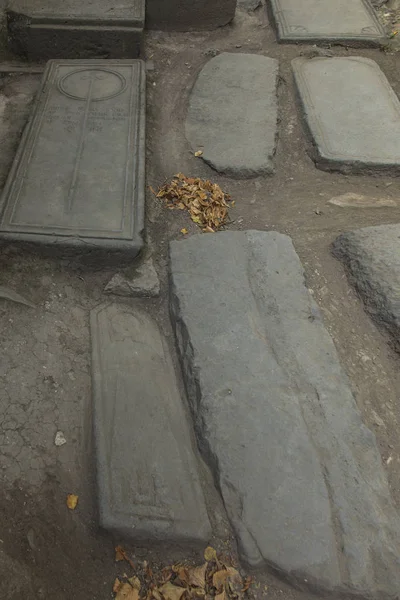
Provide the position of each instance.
(186, 15)
(350, 22)
(359, 134)
(77, 182)
(74, 29)
(300, 474)
(233, 114)
(147, 474)
(372, 257)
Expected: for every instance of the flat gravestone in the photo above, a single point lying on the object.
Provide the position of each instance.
(77, 182)
(341, 21)
(233, 114)
(147, 473)
(75, 29)
(352, 113)
(372, 257)
(185, 15)
(300, 474)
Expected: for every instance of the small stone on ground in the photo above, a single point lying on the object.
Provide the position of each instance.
(352, 200)
(372, 257)
(350, 21)
(143, 282)
(359, 134)
(232, 114)
(148, 481)
(300, 474)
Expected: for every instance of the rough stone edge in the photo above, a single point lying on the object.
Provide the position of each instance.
(353, 42)
(326, 162)
(350, 252)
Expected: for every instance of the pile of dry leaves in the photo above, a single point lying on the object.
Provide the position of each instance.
(206, 203)
(213, 580)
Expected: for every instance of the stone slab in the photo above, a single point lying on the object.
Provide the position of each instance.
(359, 134)
(186, 15)
(372, 257)
(77, 182)
(147, 473)
(71, 29)
(350, 22)
(300, 474)
(233, 114)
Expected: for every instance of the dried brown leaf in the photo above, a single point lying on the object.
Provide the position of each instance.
(219, 579)
(127, 592)
(197, 576)
(120, 554)
(170, 591)
(117, 585)
(222, 596)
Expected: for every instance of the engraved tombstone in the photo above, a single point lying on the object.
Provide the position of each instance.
(77, 181)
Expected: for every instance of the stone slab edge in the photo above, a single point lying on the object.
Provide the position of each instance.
(286, 37)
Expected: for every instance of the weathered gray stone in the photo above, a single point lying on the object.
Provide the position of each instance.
(300, 475)
(249, 5)
(233, 114)
(77, 182)
(73, 29)
(359, 134)
(186, 15)
(143, 282)
(351, 200)
(350, 22)
(147, 474)
(372, 257)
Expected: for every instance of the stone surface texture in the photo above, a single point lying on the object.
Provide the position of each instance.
(147, 473)
(233, 114)
(360, 133)
(77, 181)
(343, 21)
(300, 475)
(372, 257)
(72, 29)
(143, 282)
(186, 15)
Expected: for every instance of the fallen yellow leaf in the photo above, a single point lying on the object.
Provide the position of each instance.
(171, 592)
(72, 501)
(198, 153)
(219, 579)
(184, 231)
(210, 553)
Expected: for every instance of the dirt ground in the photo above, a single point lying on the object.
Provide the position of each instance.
(47, 551)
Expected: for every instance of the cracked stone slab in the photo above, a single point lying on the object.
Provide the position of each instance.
(148, 482)
(372, 257)
(233, 114)
(77, 181)
(361, 134)
(300, 474)
(347, 22)
(73, 29)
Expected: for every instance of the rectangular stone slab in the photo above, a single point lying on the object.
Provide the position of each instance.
(300, 474)
(351, 22)
(351, 112)
(184, 15)
(72, 29)
(77, 182)
(147, 473)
